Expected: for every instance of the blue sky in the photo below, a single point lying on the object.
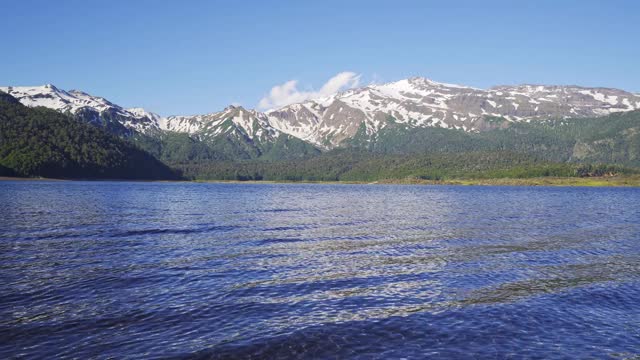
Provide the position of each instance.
(190, 57)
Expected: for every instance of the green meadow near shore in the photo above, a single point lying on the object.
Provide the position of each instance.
(602, 181)
(633, 181)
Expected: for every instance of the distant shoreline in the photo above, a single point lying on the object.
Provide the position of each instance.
(603, 181)
(612, 181)
(10, 178)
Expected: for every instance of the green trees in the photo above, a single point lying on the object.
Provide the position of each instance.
(43, 142)
(355, 165)
(180, 147)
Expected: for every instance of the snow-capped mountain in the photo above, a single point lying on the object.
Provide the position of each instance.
(327, 122)
(233, 120)
(419, 102)
(92, 109)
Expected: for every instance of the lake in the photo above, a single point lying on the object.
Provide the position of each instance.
(189, 270)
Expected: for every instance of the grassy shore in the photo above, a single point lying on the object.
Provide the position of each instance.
(539, 181)
(630, 181)
(608, 181)
(11, 178)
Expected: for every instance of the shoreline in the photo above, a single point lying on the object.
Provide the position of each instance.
(611, 181)
(603, 181)
(10, 178)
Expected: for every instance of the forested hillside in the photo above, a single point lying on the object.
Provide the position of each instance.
(610, 139)
(172, 146)
(40, 142)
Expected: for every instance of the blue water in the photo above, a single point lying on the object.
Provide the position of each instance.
(155, 270)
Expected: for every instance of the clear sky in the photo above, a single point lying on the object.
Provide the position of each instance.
(191, 57)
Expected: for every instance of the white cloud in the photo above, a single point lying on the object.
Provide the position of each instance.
(288, 93)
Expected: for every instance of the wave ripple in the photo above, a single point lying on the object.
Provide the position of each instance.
(131, 270)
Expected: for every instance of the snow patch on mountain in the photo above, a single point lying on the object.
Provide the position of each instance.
(421, 102)
(92, 108)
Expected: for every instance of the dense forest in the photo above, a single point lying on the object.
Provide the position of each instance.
(354, 165)
(180, 147)
(46, 143)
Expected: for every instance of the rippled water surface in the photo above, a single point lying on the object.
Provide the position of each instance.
(137, 270)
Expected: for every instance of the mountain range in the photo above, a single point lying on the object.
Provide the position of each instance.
(409, 128)
(331, 122)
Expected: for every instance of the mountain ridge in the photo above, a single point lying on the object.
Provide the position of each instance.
(331, 121)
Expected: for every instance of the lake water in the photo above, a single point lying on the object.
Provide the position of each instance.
(148, 270)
